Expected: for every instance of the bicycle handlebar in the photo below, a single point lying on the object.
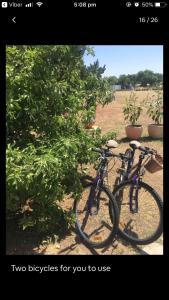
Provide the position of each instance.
(103, 151)
(97, 150)
(146, 150)
(107, 153)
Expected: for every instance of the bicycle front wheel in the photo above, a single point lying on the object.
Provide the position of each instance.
(94, 225)
(141, 212)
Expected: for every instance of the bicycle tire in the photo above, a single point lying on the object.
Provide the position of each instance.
(157, 233)
(113, 210)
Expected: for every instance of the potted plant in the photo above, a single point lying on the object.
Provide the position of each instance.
(155, 112)
(132, 112)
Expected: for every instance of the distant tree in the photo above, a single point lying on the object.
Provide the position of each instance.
(112, 80)
(159, 78)
(132, 79)
(124, 81)
(146, 77)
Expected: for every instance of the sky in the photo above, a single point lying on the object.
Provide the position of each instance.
(127, 59)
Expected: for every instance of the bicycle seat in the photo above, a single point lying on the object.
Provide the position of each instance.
(134, 144)
(112, 144)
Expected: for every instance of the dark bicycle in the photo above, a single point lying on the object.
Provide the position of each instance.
(97, 215)
(140, 206)
(127, 160)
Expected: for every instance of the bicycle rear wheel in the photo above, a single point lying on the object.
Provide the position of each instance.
(142, 225)
(96, 228)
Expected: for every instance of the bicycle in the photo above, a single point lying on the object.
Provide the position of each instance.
(127, 163)
(141, 218)
(96, 212)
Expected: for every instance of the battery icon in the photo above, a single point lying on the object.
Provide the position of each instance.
(160, 4)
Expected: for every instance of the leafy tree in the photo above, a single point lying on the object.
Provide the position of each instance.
(132, 79)
(46, 140)
(148, 77)
(112, 80)
(97, 89)
(123, 81)
(96, 69)
(143, 78)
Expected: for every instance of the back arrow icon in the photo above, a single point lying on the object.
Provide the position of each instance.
(14, 19)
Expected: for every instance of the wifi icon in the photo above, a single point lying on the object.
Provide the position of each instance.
(39, 4)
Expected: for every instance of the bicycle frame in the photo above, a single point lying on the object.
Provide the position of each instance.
(130, 164)
(127, 175)
(130, 160)
(97, 182)
(136, 178)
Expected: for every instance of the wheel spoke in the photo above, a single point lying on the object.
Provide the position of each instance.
(143, 223)
(95, 226)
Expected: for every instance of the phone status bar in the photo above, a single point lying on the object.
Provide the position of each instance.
(146, 4)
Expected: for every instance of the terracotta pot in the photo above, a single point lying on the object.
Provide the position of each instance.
(89, 125)
(155, 131)
(134, 132)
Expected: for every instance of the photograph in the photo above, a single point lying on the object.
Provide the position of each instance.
(84, 149)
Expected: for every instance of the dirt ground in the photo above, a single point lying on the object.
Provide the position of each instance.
(110, 118)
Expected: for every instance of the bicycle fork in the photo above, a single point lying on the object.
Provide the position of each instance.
(133, 196)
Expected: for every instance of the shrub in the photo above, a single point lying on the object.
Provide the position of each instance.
(46, 139)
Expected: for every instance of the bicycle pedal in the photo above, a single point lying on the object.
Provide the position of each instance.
(135, 211)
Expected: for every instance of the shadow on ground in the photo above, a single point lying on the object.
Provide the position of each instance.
(19, 242)
(28, 243)
(141, 140)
